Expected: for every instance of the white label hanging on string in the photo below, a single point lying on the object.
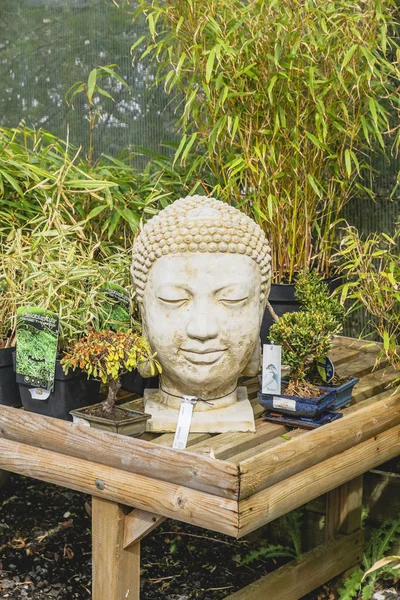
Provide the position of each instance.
(271, 373)
(184, 422)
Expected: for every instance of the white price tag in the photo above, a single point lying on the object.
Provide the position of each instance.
(184, 421)
(284, 403)
(39, 393)
(80, 421)
(271, 374)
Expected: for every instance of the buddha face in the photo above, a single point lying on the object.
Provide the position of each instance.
(202, 315)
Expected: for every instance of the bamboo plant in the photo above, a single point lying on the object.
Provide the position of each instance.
(282, 103)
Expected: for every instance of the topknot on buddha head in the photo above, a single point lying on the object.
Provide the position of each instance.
(199, 224)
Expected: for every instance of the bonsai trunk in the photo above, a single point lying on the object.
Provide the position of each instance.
(109, 402)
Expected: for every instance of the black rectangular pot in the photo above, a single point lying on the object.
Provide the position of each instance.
(9, 392)
(133, 382)
(70, 392)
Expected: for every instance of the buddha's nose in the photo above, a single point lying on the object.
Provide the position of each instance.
(202, 324)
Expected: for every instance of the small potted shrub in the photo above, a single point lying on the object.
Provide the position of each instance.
(65, 279)
(306, 338)
(107, 355)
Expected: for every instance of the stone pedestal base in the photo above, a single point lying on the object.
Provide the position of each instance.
(234, 418)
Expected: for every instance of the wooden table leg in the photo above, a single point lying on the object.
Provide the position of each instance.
(116, 539)
(343, 508)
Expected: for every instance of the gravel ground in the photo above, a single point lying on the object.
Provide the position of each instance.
(45, 552)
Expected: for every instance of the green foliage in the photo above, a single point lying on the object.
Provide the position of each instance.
(363, 580)
(372, 267)
(108, 355)
(268, 551)
(306, 336)
(282, 103)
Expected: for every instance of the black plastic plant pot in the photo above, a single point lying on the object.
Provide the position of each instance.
(70, 392)
(133, 382)
(9, 391)
(283, 300)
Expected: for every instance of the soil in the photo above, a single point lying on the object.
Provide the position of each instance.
(45, 551)
(116, 414)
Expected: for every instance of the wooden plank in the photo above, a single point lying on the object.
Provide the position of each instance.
(138, 524)
(362, 365)
(275, 501)
(225, 445)
(353, 344)
(299, 577)
(131, 489)
(283, 439)
(130, 454)
(116, 571)
(268, 468)
(167, 439)
(374, 383)
(342, 355)
(344, 508)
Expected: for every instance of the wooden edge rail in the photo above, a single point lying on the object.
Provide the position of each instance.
(131, 489)
(272, 466)
(301, 576)
(279, 499)
(119, 451)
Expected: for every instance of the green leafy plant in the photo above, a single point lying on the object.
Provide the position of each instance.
(282, 104)
(90, 88)
(306, 336)
(361, 582)
(372, 267)
(108, 355)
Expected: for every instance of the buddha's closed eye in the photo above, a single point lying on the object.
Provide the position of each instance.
(233, 301)
(173, 301)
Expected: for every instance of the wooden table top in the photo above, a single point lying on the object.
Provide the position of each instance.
(232, 482)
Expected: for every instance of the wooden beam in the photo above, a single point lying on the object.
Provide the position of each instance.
(120, 451)
(274, 465)
(299, 577)
(130, 489)
(344, 508)
(275, 501)
(375, 383)
(116, 571)
(138, 524)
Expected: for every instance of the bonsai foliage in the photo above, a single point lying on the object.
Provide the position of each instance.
(373, 269)
(281, 103)
(109, 354)
(306, 336)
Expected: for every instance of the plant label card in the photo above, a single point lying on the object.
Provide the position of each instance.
(271, 372)
(325, 369)
(37, 340)
(117, 307)
(184, 422)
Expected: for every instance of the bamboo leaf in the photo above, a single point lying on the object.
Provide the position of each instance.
(210, 64)
(92, 79)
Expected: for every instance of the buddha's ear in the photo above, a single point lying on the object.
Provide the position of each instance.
(253, 367)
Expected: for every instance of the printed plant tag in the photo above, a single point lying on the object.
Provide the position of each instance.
(285, 403)
(184, 422)
(37, 339)
(117, 307)
(326, 369)
(271, 373)
(39, 393)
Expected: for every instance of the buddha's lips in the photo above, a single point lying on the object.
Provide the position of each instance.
(205, 356)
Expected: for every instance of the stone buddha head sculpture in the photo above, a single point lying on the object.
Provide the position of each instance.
(202, 273)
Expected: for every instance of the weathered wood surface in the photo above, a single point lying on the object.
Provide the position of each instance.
(122, 452)
(138, 524)
(131, 489)
(283, 461)
(344, 508)
(116, 570)
(294, 580)
(277, 500)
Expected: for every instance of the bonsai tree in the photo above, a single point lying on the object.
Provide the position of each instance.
(306, 336)
(108, 355)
